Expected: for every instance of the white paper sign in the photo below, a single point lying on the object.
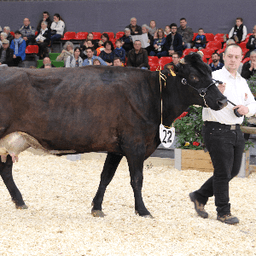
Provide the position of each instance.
(166, 135)
(143, 38)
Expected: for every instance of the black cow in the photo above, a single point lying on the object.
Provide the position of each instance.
(92, 109)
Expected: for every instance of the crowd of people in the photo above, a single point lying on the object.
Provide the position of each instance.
(130, 51)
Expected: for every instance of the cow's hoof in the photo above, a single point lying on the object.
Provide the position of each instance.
(149, 216)
(21, 207)
(98, 213)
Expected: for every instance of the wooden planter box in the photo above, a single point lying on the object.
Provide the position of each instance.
(188, 159)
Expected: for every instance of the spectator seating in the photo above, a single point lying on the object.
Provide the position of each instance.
(81, 36)
(32, 49)
(119, 34)
(54, 63)
(209, 37)
(69, 35)
(96, 35)
(53, 55)
(163, 61)
(111, 35)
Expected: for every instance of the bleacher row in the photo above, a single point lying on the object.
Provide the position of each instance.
(215, 43)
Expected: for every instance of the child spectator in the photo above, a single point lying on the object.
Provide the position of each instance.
(200, 40)
(238, 32)
(119, 51)
(152, 27)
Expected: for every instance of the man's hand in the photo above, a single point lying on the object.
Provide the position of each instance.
(242, 110)
(253, 66)
(222, 87)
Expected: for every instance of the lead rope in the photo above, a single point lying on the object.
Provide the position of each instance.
(161, 77)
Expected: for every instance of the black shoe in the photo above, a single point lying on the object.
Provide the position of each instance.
(198, 206)
(228, 219)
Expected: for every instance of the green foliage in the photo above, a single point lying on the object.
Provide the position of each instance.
(189, 129)
(252, 83)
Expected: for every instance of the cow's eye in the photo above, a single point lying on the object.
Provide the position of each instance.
(193, 78)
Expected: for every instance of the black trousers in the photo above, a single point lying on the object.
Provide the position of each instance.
(225, 144)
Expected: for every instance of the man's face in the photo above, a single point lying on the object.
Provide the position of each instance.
(7, 31)
(47, 62)
(26, 22)
(117, 63)
(232, 58)
(5, 46)
(183, 24)
(127, 32)
(137, 45)
(133, 22)
(215, 58)
(2, 37)
(174, 30)
(45, 16)
(144, 30)
(175, 59)
(239, 22)
(89, 53)
(253, 58)
(200, 32)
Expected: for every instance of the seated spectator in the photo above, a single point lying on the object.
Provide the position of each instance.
(249, 67)
(57, 28)
(186, 33)
(18, 45)
(6, 54)
(7, 30)
(101, 42)
(175, 64)
(152, 28)
(74, 60)
(86, 44)
(108, 53)
(96, 62)
(90, 37)
(167, 30)
(238, 32)
(138, 57)
(47, 63)
(145, 30)
(28, 32)
(68, 50)
(43, 39)
(117, 62)
(174, 41)
(159, 45)
(216, 64)
(3, 36)
(135, 29)
(91, 57)
(251, 44)
(119, 51)
(126, 40)
(200, 40)
(46, 17)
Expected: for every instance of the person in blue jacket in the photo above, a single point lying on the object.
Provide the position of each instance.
(18, 45)
(200, 40)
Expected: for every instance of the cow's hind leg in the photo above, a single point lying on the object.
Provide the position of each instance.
(6, 174)
(135, 162)
(109, 169)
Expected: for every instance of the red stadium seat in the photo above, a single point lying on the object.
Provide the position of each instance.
(111, 35)
(214, 44)
(69, 35)
(96, 35)
(195, 34)
(163, 61)
(208, 52)
(209, 37)
(243, 45)
(153, 59)
(119, 34)
(32, 49)
(153, 66)
(189, 50)
(81, 36)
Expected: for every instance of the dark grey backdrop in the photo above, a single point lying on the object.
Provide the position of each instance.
(216, 16)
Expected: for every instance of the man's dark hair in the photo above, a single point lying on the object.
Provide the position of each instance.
(47, 13)
(239, 18)
(173, 25)
(90, 48)
(216, 54)
(183, 19)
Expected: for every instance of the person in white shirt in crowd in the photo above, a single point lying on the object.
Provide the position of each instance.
(57, 28)
(74, 60)
(238, 32)
(223, 137)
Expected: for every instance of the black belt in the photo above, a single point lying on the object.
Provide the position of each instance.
(222, 126)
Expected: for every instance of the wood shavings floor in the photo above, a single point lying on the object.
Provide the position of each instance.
(59, 193)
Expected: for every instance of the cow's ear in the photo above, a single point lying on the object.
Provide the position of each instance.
(171, 69)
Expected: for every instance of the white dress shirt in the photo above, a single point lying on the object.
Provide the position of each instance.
(237, 91)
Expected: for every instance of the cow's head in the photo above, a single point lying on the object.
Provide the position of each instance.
(196, 84)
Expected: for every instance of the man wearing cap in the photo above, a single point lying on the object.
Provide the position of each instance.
(6, 54)
(18, 45)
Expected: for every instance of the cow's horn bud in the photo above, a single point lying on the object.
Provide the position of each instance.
(201, 53)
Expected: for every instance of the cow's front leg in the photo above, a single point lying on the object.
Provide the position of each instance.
(111, 163)
(135, 162)
(6, 174)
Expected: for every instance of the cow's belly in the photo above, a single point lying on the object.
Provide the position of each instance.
(16, 142)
